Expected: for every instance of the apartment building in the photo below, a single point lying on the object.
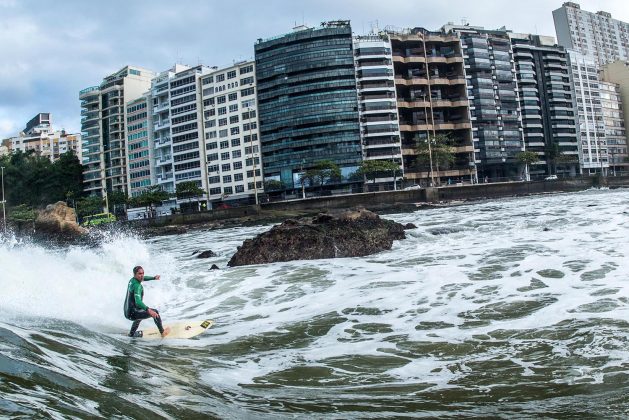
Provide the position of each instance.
(140, 150)
(308, 103)
(379, 121)
(40, 137)
(596, 35)
(103, 128)
(493, 96)
(615, 131)
(547, 99)
(231, 136)
(613, 100)
(432, 101)
(593, 156)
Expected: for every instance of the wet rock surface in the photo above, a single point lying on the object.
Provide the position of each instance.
(353, 233)
(57, 222)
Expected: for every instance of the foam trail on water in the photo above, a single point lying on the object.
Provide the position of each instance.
(84, 285)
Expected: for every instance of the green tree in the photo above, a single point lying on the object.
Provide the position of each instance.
(116, 199)
(22, 215)
(324, 171)
(89, 205)
(151, 197)
(189, 190)
(438, 149)
(527, 158)
(273, 185)
(34, 180)
(372, 169)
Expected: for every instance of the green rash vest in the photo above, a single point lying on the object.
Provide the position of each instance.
(135, 288)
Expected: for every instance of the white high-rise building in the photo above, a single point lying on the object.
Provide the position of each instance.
(379, 120)
(593, 143)
(178, 129)
(232, 145)
(596, 35)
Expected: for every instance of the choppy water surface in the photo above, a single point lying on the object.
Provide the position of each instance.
(499, 309)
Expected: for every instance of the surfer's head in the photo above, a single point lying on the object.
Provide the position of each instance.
(138, 272)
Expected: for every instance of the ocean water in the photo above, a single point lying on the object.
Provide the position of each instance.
(510, 308)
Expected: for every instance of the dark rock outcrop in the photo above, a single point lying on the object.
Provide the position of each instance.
(348, 234)
(206, 254)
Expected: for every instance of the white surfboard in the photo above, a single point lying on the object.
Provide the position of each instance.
(178, 329)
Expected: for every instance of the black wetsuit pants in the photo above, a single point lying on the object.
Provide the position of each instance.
(138, 316)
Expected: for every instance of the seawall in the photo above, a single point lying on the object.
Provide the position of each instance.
(388, 200)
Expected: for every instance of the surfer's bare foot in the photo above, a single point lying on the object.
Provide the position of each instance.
(166, 331)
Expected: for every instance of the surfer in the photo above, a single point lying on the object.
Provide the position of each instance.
(135, 309)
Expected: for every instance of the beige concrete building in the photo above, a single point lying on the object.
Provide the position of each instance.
(432, 100)
(614, 110)
(103, 125)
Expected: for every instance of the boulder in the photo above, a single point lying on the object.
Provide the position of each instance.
(353, 233)
(58, 222)
(206, 254)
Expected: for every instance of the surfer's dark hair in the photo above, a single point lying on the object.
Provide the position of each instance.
(136, 269)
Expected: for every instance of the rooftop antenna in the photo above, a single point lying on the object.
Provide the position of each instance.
(464, 21)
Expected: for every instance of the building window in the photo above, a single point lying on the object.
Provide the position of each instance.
(232, 96)
(211, 146)
(222, 110)
(233, 119)
(247, 92)
(235, 142)
(238, 165)
(227, 179)
(246, 80)
(225, 156)
(220, 77)
(215, 191)
(231, 74)
(233, 108)
(226, 167)
(221, 99)
(238, 177)
(246, 69)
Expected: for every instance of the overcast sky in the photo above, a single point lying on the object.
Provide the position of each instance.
(51, 49)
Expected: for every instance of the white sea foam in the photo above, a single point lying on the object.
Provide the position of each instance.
(483, 263)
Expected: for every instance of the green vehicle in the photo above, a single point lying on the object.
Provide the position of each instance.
(98, 219)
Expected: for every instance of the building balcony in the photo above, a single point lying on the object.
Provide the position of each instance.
(163, 160)
(448, 81)
(412, 81)
(162, 124)
(411, 59)
(167, 177)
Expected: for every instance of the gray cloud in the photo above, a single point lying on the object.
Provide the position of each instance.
(53, 49)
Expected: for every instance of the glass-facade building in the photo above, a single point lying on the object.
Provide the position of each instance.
(307, 102)
(549, 109)
(494, 103)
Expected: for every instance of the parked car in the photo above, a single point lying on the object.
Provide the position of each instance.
(551, 178)
(98, 219)
(413, 187)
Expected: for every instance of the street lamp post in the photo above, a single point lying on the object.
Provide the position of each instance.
(4, 213)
